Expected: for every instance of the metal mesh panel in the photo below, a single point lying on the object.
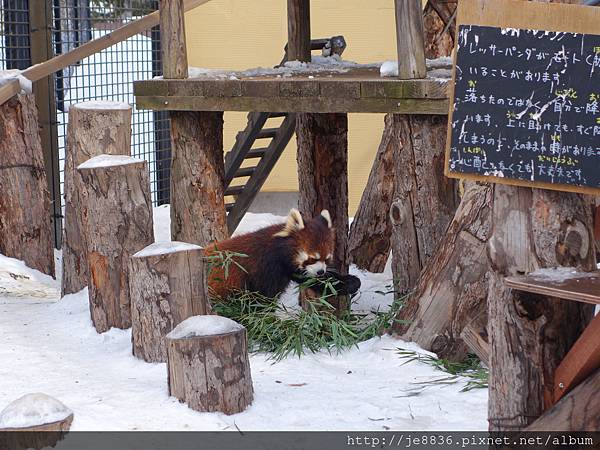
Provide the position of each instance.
(109, 75)
(14, 34)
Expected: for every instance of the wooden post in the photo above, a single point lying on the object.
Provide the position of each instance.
(167, 282)
(197, 174)
(197, 169)
(298, 30)
(323, 176)
(25, 211)
(453, 286)
(95, 128)
(117, 218)
(370, 233)
(530, 334)
(208, 364)
(424, 199)
(409, 38)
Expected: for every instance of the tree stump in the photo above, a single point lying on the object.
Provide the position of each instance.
(197, 174)
(323, 177)
(117, 219)
(167, 281)
(424, 199)
(208, 364)
(25, 211)
(95, 128)
(452, 289)
(579, 410)
(370, 233)
(530, 334)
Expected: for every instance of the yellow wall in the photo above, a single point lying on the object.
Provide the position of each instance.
(238, 34)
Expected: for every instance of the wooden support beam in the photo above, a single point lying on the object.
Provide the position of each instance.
(298, 30)
(172, 39)
(8, 90)
(323, 177)
(409, 37)
(582, 360)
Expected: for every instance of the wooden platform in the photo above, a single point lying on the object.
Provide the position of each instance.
(581, 286)
(358, 90)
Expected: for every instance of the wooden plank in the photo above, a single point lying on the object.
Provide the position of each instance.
(172, 39)
(409, 37)
(585, 288)
(298, 48)
(294, 104)
(8, 90)
(582, 360)
(525, 15)
(475, 336)
(40, 71)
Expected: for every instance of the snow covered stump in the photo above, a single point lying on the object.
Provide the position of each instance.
(117, 218)
(167, 282)
(95, 128)
(208, 364)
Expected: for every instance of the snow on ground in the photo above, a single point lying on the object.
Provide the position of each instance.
(50, 346)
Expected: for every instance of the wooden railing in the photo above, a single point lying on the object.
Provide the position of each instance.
(42, 70)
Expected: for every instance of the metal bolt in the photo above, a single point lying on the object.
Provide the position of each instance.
(561, 385)
(166, 102)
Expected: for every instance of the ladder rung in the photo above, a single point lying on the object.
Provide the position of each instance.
(267, 133)
(244, 172)
(278, 114)
(256, 153)
(234, 190)
(229, 206)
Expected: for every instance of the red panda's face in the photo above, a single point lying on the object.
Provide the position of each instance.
(313, 241)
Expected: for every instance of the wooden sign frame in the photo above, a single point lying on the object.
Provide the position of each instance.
(524, 15)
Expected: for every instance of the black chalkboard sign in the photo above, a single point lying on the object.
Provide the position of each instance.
(526, 106)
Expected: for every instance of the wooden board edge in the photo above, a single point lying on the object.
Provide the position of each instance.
(514, 283)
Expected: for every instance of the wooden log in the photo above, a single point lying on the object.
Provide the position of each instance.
(117, 219)
(298, 12)
(579, 410)
(25, 211)
(424, 199)
(95, 128)
(208, 364)
(197, 173)
(475, 336)
(409, 36)
(453, 285)
(323, 177)
(168, 284)
(530, 334)
(370, 233)
(172, 39)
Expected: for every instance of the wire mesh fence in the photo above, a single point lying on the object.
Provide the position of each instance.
(106, 75)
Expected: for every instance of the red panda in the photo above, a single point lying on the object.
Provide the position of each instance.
(273, 255)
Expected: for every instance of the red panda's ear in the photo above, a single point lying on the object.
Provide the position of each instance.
(293, 223)
(325, 215)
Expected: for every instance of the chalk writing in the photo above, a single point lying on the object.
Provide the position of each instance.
(527, 105)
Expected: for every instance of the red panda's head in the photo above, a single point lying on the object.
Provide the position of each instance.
(313, 241)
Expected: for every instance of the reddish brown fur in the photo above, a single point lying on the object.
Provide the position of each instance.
(271, 260)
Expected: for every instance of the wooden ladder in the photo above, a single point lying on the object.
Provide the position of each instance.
(266, 155)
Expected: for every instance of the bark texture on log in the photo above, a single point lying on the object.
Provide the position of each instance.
(117, 217)
(197, 176)
(370, 233)
(211, 373)
(95, 128)
(25, 211)
(530, 334)
(424, 199)
(323, 179)
(168, 284)
(453, 285)
(579, 410)
(40, 436)
(440, 28)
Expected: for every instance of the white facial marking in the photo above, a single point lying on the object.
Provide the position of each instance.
(314, 269)
(301, 257)
(317, 255)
